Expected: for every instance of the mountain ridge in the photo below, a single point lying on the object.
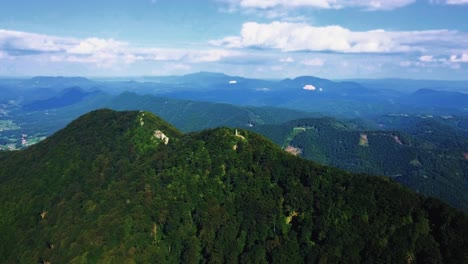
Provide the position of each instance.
(104, 190)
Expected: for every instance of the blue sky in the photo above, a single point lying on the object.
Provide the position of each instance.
(336, 39)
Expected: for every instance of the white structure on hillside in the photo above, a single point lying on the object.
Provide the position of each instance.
(160, 135)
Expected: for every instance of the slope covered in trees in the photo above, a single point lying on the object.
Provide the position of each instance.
(433, 164)
(127, 187)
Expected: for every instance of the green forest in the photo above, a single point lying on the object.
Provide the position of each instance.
(430, 163)
(110, 188)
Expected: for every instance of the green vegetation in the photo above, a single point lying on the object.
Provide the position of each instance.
(421, 161)
(191, 116)
(106, 190)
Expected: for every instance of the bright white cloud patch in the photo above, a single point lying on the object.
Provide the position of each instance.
(309, 87)
(95, 45)
(303, 37)
(324, 4)
(461, 58)
(233, 82)
(426, 58)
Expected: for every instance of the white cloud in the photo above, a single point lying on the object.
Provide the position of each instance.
(322, 4)
(313, 62)
(289, 37)
(450, 2)
(426, 58)
(462, 58)
(25, 42)
(430, 61)
(98, 51)
(95, 45)
(456, 2)
(286, 3)
(233, 82)
(309, 87)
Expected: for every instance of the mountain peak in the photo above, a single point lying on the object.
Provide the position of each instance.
(138, 130)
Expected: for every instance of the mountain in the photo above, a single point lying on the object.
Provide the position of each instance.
(128, 187)
(189, 115)
(56, 82)
(361, 98)
(449, 132)
(409, 86)
(434, 164)
(44, 117)
(434, 98)
(66, 97)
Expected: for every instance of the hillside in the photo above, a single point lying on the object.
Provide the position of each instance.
(127, 187)
(42, 118)
(191, 116)
(431, 163)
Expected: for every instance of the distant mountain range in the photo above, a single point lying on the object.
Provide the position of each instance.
(306, 93)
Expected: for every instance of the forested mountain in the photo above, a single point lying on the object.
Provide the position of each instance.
(191, 116)
(433, 163)
(442, 131)
(127, 187)
(44, 117)
(65, 98)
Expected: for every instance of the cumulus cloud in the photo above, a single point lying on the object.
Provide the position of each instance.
(98, 51)
(289, 37)
(321, 4)
(309, 87)
(95, 45)
(430, 61)
(462, 58)
(19, 43)
(426, 58)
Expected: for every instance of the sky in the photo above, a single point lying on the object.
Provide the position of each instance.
(335, 39)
